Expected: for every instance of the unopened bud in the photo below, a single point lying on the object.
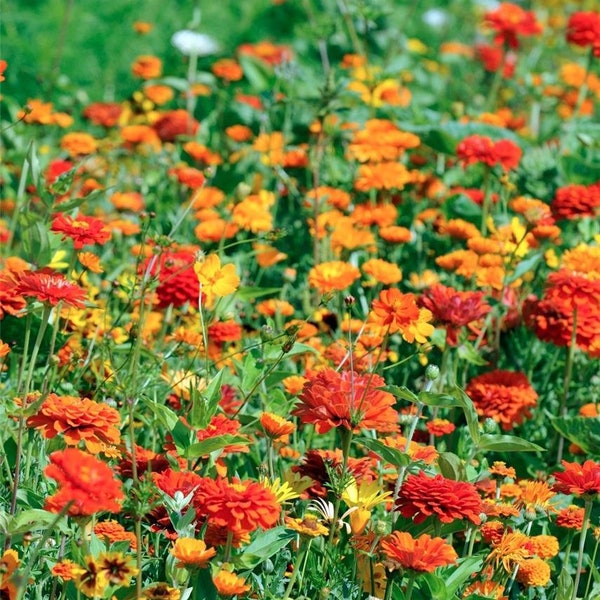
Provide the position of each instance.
(432, 372)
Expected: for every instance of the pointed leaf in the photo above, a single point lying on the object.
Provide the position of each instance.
(391, 455)
(489, 442)
(264, 546)
(212, 444)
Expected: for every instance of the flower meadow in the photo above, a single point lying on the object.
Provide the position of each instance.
(312, 317)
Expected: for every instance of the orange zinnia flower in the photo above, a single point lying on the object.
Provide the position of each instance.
(50, 288)
(81, 229)
(348, 400)
(240, 506)
(400, 313)
(103, 113)
(423, 554)
(78, 419)
(276, 426)
(579, 480)
(229, 584)
(191, 553)
(571, 517)
(147, 67)
(332, 276)
(115, 532)
(422, 496)
(83, 480)
(504, 396)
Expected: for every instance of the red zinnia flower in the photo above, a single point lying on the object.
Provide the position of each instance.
(240, 506)
(453, 309)
(422, 496)
(103, 113)
(504, 396)
(50, 288)
(175, 123)
(580, 480)
(81, 229)
(479, 148)
(348, 400)
(84, 480)
(423, 554)
(178, 282)
(583, 29)
(576, 201)
(509, 21)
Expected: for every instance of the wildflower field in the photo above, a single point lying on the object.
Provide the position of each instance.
(300, 300)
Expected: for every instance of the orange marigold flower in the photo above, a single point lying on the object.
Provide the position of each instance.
(90, 262)
(382, 271)
(239, 133)
(140, 134)
(332, 276)
(544, 546)
(268, 52)
(478, 148)
(274, 306)
(335, 197)
(492, 532)
(78, 419)
(294, 383)
(229, 584)
(579, 480)
(50, 288)
(84, 481)
(81, 229)
(159, 94)
(275, 426)
(267, 256)
(576, 201)
(400, 313)
(385, 176)
(510, 21)
(115, 532)
(348, 400)
(189, 176)
(454, 310)
(422, 496)
(240, 506)
(423, 554)
(536, 495)
(486, 589)
(500, 469)
(191, 553)
(147, 67)
(132, 201)
(504, 396)
(78, 144)
(533, 572)
(394, 234)
(571, 517)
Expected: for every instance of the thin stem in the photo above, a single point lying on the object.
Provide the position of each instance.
(584, 86)
(290, 586)
(582, 536)
(591, 573)
(487, 199)
(567, 383)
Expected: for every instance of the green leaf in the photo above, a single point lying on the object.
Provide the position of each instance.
(457, 576)
(34, 163)
(256, 73)
(564, 586)
(264, 546)
(251, 373)
(468, 353)
(203, 585)
(164, 414)
(391, 455)
(182, 435)
(470, 412)
(212, 444)
(204, 405)
(583, 431)
(438, 399)
(489, 442)
(436, 587)
(13, 329)
(452, 466)
(402, 392)
(526, 265)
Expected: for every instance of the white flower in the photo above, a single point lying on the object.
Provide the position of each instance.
(435, 17)
(190, 42)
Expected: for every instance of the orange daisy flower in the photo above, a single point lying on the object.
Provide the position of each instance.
(229, 584)
(332, 276)
(191, 553)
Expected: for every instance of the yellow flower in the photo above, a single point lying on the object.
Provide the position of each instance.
(58, 260)
(362, 498)
(94, 580)
(119, 569)
(309, 526)
(283, 490)
(8, 564)
(215, 280)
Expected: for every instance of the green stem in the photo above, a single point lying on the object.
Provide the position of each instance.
(582, 536)
(409, 587)
(591, 573)
(567, 383)
(487, 200)
(290, 586)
